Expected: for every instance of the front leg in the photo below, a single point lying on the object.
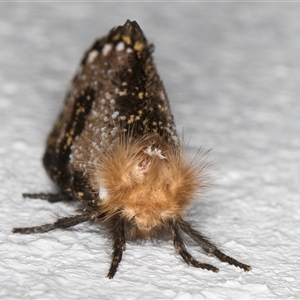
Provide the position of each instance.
(225, 258)
(209, 247)
(187, 257)
(62, 196)
(61, 223)
(119, 244)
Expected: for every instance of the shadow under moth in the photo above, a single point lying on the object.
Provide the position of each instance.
(115, 149)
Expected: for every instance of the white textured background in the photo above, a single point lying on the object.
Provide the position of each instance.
(232, 73)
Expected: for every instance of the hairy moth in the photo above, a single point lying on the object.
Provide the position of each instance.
(115, 149)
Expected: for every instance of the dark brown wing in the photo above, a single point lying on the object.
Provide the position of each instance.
(117, 89)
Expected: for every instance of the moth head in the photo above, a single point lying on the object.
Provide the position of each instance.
(148, 180)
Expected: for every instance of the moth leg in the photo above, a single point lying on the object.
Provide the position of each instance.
(61, 223)
(210, 248)
(187, 257)
(119, 244)
(50, 196)
(225, 258)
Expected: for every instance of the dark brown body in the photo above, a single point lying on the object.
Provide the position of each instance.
(115, 89)
(116, 134)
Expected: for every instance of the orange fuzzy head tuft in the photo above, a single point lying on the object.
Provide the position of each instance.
(146, 180)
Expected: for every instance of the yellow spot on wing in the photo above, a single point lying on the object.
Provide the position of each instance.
(138, 46)
(126, 39)
(116, 37)
(141, 95)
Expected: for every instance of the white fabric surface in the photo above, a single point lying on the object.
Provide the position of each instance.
(232, 73)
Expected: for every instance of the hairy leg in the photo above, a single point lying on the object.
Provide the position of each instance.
(61, 223)
(118, 236)
(187, 257)
(225, 258)
(210, 248)
(49, 196)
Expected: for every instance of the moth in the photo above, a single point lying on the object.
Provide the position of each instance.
(115, 148)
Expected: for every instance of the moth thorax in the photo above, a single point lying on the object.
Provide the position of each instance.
(147, 199)
(147, 181)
